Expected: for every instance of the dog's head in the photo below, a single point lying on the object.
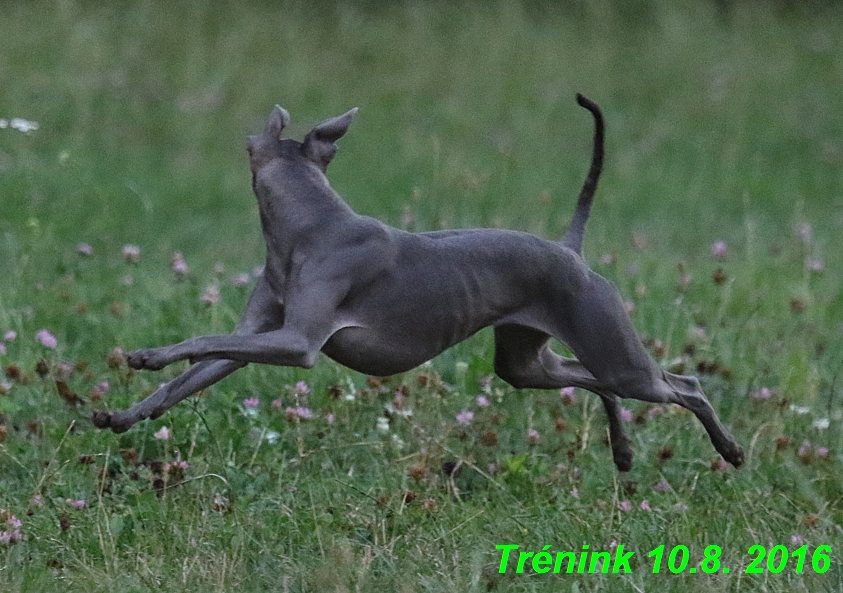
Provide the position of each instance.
(318, 146)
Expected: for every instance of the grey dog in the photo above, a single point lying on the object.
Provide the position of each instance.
(382, 301)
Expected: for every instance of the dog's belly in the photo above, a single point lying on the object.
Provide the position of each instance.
(373, 353)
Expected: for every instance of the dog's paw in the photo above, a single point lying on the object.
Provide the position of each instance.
(117, 421)
(735, 455)
(101, 419)
(730, 451)
(623, 462)
(149, 359)
(622, 456)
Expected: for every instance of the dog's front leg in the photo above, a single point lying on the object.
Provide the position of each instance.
(284, 347)
(308, 320)
(196, 378)
(263, 313)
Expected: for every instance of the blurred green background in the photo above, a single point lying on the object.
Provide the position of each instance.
(467, 115)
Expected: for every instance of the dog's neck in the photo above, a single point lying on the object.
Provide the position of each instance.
(297, 205)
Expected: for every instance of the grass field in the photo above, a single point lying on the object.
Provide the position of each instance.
(718, 218)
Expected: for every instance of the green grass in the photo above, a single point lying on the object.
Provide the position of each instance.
(721, 126)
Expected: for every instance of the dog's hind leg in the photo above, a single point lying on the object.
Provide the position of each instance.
(599, 331)
(523, 359)
(686, 392)
(621, 451)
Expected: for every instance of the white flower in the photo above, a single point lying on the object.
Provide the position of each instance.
(131, 253)
(402, 411)
(461, 369)
(162, 434)
(211, 296)
(20, 124)
(398, 442)
(719, 250)
(179, 266)
(804, 232)
(801, 410)
(821, 423)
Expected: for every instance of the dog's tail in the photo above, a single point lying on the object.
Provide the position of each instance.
(573, 237)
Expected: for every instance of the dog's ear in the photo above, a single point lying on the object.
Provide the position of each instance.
(319, 144)
(276, 122)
